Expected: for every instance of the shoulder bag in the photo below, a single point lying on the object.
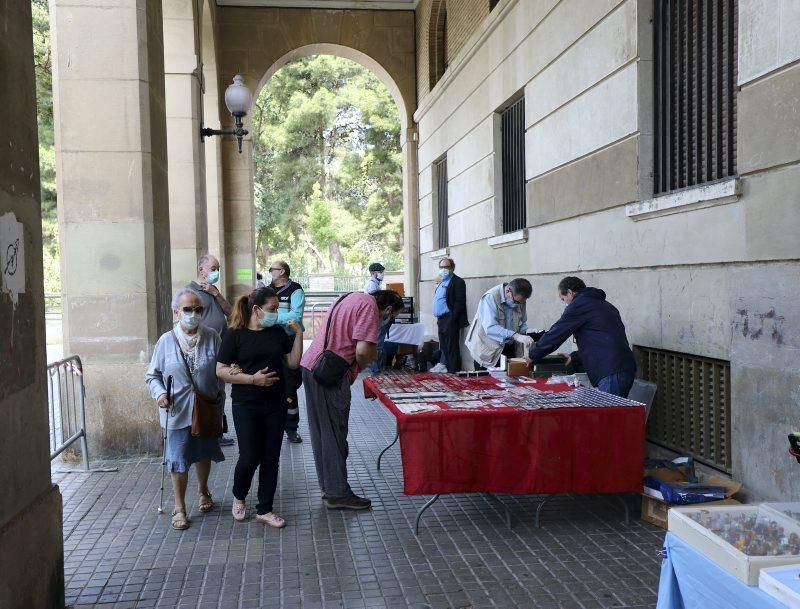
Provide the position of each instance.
(206, 414)
(331, 368)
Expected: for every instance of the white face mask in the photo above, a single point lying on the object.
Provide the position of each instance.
(379, 276)
(190, 320)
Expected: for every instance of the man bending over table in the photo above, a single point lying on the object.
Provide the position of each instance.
(603, 349)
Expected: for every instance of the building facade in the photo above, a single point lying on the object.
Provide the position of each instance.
(653, 151)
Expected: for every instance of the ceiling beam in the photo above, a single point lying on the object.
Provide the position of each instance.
(381, 5)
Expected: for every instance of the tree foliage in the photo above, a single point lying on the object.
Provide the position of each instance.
(43, 66)
(328, 180)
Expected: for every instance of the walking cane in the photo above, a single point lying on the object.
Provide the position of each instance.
(164, 456)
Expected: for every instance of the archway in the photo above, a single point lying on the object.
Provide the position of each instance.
(381, 42)
(328, 168)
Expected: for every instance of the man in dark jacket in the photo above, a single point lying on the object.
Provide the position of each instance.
(603, 349)
(450, 310)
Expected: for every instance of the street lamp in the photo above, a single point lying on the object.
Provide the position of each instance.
(238, 100)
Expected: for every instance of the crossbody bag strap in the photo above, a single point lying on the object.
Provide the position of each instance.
(185, 363)
(330, 319)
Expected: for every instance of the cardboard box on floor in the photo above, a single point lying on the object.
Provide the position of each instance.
(654, 509)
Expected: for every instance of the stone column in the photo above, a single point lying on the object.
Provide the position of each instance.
(411, 211)
(239, 215)
(111, 151)
(31, 548)
(184, 99)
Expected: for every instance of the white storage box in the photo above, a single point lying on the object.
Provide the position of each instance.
(740, 539)
(782, 583)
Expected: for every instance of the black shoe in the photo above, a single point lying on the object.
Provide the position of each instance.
(351, 502)
(223, 441)
(294, 437)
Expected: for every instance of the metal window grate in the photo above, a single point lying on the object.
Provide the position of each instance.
(695, 92)
(437, 42)
(513, 157)
(440, 173)
(691, 413)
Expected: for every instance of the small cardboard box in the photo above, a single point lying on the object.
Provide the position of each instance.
(517, 366)
(397, 287)
(655, 509)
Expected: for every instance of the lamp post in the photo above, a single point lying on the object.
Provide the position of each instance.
(238, 99)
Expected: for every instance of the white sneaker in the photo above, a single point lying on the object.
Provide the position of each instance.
(438, 368)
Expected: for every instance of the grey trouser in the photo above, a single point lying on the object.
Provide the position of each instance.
(328, 413)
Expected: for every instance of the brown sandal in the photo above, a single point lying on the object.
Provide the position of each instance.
(206, 503)
(179, 520)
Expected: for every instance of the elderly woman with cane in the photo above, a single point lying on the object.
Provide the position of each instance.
(188, 354)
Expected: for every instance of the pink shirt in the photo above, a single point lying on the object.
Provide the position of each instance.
(354, 319)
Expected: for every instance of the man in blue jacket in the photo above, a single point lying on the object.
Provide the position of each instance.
(603, 350)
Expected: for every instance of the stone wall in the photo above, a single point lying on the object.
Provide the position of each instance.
(710, 279)
(31, 549)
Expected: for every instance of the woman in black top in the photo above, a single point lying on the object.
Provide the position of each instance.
(252, 355)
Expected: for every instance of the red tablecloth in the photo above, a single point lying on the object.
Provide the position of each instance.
(513, 450)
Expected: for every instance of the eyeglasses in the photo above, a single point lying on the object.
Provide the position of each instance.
(274, 269)
(198, 310)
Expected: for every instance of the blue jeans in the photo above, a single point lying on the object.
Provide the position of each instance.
(383, 330)
(619, 383)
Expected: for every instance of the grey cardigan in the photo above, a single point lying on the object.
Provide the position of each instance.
(168, 360)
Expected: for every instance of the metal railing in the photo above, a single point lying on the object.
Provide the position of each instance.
(52, 304)
(66, 400)
(313, 317)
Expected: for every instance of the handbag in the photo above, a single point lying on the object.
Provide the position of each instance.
(331, 368)
(206, 414)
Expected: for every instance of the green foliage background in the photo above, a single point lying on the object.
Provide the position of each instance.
(328, 168)
(47, 157)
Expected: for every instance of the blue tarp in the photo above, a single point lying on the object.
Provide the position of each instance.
(689, 580)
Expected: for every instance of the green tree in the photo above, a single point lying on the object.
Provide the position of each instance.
(328, 179)
(43, 65)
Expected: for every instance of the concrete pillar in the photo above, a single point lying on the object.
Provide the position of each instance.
(240, 239)
(184, 99)
(211, 118)
(410, 210)
(31, 548)
(111, 151)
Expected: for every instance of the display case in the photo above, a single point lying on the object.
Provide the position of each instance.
(790, 509)
(740, 539)
(782, 583)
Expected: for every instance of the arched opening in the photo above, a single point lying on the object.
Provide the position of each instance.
(437, 42)
(407, 152)
(327, 172)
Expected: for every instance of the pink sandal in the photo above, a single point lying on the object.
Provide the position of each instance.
(239, 510)
(272, 519)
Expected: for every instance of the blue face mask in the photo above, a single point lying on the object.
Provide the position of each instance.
(212, 277)
(444, 273)
(269, 319)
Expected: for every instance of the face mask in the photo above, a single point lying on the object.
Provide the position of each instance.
(444, 273)
(269, 320)
(379, 276)
(190, 320)
(566, 304)
(212, 277)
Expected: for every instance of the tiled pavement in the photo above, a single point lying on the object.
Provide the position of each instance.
(119, 552)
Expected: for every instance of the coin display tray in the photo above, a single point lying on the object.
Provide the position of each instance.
(740, 539)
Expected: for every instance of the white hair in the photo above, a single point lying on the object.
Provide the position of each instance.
(177, 298)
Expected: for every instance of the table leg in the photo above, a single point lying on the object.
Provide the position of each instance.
(505, 509)
(624, 500)
(539, 509)
(430, 502)
(396, 436)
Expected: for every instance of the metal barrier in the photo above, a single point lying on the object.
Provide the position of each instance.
(313, 317)
(66, 400)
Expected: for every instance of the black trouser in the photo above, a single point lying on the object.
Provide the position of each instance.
(292, 379)
(259, 431)
(449, 342)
